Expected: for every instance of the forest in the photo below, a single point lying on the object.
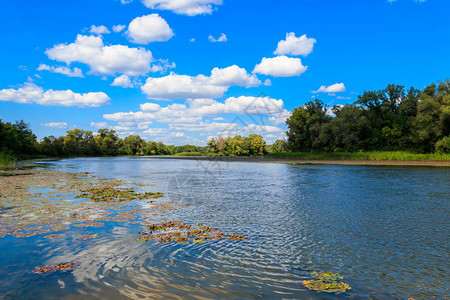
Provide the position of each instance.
(390, 119)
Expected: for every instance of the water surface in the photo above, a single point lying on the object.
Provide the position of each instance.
(385, 229)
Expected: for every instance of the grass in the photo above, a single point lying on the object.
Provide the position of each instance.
(7, 159)
(195, 154)
(374, 155)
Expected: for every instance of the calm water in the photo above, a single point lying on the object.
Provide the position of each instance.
(386, 229)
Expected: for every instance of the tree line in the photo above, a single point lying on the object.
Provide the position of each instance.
(389, 119)
(17, 139)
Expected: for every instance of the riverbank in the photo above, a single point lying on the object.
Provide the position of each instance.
(300, 161)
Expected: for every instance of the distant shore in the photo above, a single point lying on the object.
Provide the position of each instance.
(260, 159)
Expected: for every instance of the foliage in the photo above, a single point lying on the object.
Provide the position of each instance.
(443, 145)
(17, 139)
(6, 159)
(373, 155)
(385, 120)
(252, 145)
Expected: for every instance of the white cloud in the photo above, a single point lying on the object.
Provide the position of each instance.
(99, 125)
(192, 40)
(155, 131)
(103, 59)
(122, 81)
(295, 46)
(31, 93)
(151, 28)
(199, 108)
(60, 125)
(118, 28)
(176, 86)
(280, 66)
(76, 72)
(280, 118)
(335, 88)
(99, 30)
(152, 107)
(258, 129)
(184, 7)
(126, 1)
(189, 117)
(343, 98)
(162, 66)
(222, 38)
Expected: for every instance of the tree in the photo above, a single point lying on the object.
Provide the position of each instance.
(108, 142)
(433, 116)
(134, 145)
(304, 126)
(256, 145)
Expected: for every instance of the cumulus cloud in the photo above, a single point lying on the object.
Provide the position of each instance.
(103, 59)
(75, 72)
(293, 45)
(334, 88)
(176, 86)
(31, 93)
(184, 7)
(280, 66)
(152, 107)
(151, 28)
(118, 28)
(162, 66)
(122, 81)
(60, 125)
(221, 38)
(99, 125)
(263, 129)
(99, 30)
(199, 108)
(190, 117)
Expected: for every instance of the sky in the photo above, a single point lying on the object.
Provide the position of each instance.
(184, 71)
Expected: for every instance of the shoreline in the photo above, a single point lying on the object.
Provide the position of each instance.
(311, 161)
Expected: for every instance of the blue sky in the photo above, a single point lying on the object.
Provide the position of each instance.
(187, 70)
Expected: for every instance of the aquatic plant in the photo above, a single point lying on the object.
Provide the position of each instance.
(26, 199)
(326, 282)
(112, 193)
(178, 231)
(59, 267)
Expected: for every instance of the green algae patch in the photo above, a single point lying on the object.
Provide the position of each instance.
(112, 193)
(182, 233)
(327, 282)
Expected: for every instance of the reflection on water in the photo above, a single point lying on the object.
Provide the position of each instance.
(384, 228)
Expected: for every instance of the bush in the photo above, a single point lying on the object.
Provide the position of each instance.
(443, 145)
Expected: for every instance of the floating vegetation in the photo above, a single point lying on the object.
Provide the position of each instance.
(327, 282)
(59, 267)
(112, 193)
(180, 232)
(55, 236)
(45, 202)
(87, 236)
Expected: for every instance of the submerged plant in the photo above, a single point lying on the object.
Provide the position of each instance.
(327, 282)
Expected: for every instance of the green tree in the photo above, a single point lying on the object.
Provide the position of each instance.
(304, 126)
